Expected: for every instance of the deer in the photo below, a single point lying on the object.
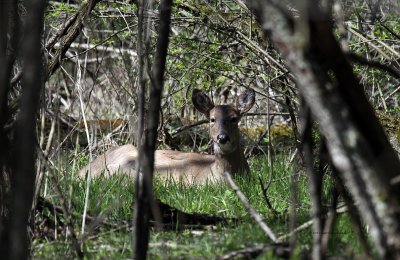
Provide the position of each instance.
(188, 167)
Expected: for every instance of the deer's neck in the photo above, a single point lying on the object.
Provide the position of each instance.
(233, 162)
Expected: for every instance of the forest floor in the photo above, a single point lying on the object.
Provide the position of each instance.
(230, 227)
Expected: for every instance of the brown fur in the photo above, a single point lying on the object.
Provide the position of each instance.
(189, 168)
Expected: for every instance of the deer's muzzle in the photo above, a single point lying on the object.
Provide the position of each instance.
(223, 138)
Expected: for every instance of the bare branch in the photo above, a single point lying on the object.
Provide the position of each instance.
(253, 213)
(376, 64)
(71, 32)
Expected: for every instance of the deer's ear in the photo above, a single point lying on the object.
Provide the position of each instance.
(202, 102)
(246, 101)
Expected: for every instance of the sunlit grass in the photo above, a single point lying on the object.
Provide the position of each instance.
(112, 199)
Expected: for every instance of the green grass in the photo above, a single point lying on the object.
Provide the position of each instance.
(112, 198)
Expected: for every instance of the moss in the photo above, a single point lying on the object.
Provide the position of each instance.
(278, 131)
(391, 125)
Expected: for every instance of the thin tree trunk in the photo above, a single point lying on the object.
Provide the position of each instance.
(8, 27)
(141, 216)
(355, 140)
(145, 197)
(315, 181)
(9, 32)
(23, 176)
(28, 103)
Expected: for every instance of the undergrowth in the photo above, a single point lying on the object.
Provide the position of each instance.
(112, 200)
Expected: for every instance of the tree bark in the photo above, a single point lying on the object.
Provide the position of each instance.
(145, 199)
(70, 35)
(315, 180)
(23, 165)
(18, 164)
(8, 27)
(355, 140)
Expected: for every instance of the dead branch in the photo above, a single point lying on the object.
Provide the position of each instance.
(329, 223)
(339, 210)
(265, 192)
(354, 215)
(173, 217)
(71, 31)
(296, 230)
(392, 70)
(253, 213)
(178, 130)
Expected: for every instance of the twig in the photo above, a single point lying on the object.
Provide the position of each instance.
(376, 64)
(296, 230)
(265, 114)
(186, 127)
(294, 199)
(98, 47)
(305, 225)
(259, 140)
(40, 173)
(392, 93)
(374, 46)
(253, 213)
(353, 213)
(329, 222)
(88, 181)
(265, 194)
(389, 30)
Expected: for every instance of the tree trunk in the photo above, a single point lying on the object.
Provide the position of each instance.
(16, 241)
(355, 140)
(145, 199)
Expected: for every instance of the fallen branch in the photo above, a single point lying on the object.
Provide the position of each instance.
(253, 213)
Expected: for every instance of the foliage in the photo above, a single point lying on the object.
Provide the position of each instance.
(112, 200)
(214, 45)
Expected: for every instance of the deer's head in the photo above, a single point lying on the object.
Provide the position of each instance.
(224, 119)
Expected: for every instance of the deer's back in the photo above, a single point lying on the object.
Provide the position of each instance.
(182, 167)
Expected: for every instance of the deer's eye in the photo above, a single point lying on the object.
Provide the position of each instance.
(234, 119)
(212, 120)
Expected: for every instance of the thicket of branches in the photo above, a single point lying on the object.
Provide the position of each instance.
(87, 80)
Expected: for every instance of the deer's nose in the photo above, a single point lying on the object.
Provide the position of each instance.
(222, 138)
